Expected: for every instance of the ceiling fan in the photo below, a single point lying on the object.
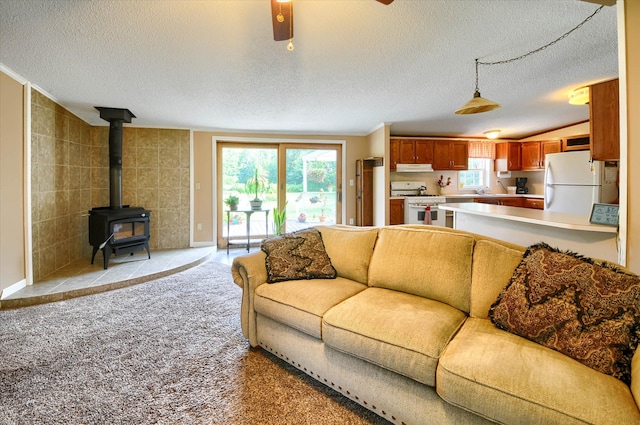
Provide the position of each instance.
(282, 18)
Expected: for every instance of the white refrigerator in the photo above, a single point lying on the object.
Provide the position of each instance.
(573, 183)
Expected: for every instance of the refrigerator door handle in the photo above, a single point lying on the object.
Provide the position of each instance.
(547, 186)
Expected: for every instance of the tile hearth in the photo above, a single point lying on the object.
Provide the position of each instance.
(83, 278)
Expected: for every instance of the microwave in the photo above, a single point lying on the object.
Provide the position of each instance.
(576, 143)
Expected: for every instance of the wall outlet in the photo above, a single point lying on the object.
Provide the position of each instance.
(197, 186)
(350, 182)
(199, 226)
(351, 221)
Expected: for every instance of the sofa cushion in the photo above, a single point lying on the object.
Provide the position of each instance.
(301, 303)
(509, 379)
(397, 331)
(584, 309)
(350, 249)
(426, 262)
(493, 266)
(297, 255)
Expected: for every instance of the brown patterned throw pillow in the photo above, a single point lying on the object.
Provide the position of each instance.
(582, 308)
(297, 255)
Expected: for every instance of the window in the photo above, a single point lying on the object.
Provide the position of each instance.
(477, 176)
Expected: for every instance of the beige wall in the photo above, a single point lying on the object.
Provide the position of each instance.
(70, 175)
(631, 76)
(12, 223)
(204, 201)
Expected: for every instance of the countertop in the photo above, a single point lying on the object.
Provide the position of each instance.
(527, 215)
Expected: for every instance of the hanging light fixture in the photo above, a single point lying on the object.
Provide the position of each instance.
(492, 134)
(579, 96)
(478, 103)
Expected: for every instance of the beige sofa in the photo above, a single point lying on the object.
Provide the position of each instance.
(404, 331)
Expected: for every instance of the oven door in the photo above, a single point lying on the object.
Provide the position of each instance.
(414, 214)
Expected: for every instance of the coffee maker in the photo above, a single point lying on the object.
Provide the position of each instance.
(521, 185)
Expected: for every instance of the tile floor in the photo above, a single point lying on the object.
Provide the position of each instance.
(83, 278)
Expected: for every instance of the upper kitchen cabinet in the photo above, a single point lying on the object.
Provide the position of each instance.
(450, 155)
(394, 153)
(604, 115)
(411, 151)
(508, 157)
(533, 153)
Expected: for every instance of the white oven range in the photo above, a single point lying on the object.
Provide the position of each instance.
(415, 208)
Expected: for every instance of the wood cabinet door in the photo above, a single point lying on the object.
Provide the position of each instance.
(394, 153)
(531, 155)
(511, 202)
(501, 162)
(604, 114)
(407, 152)
(459, 155)
(424, 151)
(441, 158)
(514, 157)
(551, 146)
(396, 211)
(534, 203)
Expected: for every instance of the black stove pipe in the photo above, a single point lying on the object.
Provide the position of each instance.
(116, 117)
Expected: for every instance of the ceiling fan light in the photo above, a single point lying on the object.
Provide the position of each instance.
(492, 134)
(477, 105)
(579, 96)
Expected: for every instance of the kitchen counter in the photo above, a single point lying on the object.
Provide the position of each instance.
(526, 226)
(493, 195)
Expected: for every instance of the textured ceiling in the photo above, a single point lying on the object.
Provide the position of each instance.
(213, 65)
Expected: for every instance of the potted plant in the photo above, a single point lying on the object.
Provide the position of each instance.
(279, 218)
(232, 202)
(256, 185)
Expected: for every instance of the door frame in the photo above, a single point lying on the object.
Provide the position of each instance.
(216, 175)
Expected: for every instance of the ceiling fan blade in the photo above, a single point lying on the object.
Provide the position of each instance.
(385, 2)
(282, 30)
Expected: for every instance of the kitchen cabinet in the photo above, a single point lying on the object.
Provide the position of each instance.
(604, 121)
(508, 157)
(412, 151)
(533, 153)
(396, 211)
(450, 155)
(515, 201)
(576, 143)
(394, 153)
(535, 203)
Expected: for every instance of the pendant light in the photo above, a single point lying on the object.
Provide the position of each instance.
(478, 104)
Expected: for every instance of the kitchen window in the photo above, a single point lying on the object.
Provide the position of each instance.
(477, 175)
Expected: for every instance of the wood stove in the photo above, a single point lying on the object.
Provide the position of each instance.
(117, 229)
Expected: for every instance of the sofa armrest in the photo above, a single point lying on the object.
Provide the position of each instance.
(249, 272)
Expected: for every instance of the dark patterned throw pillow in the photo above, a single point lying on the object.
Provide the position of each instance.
(583, 308)
(297, 255)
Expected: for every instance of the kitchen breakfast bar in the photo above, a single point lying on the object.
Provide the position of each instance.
(526, 227)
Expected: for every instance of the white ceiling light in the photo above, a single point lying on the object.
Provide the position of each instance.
(579, 96)
(492, 134)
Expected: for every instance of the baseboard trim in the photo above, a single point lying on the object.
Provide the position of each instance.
(13, 289)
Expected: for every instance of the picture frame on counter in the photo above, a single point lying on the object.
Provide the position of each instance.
(605, 214)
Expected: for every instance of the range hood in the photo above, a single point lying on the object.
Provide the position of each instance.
(414, 168)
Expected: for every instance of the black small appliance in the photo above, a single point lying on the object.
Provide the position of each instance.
(521, 185)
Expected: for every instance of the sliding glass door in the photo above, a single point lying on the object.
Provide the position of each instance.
(299, 185)
(313, 187)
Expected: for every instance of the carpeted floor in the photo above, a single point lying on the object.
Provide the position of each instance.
(169, 351)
